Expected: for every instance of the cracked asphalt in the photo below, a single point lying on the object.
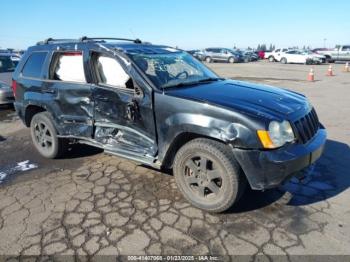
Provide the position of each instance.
(91, 204)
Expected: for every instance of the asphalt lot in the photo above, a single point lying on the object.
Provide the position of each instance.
(90, 203)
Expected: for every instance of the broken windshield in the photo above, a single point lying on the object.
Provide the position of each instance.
(173, 69)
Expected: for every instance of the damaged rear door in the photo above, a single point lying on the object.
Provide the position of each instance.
(123, 111)
(68, 94)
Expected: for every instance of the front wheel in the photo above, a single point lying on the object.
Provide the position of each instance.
(284, 60)
(271, 59)
(208, 175)
(44, 136)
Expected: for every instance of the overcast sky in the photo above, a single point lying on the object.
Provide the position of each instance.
(188, 24)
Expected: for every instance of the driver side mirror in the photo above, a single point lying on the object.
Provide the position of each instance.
(138, 93)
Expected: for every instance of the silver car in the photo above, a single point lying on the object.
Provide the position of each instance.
(6, 94)
(7, 66)
(221, 55)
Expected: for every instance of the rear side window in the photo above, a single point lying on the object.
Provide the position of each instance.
(68, 66)
(34, 65)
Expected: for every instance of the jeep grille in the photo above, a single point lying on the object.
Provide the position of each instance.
(306, 127)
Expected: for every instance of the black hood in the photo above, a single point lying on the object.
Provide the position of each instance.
(250, 98)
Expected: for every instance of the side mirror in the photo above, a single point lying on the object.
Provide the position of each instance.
(138, 93)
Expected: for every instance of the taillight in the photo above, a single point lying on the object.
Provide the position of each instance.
(14, 87)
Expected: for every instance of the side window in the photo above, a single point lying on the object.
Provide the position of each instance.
(346, 48)
(34, 65)
(110, 72)
(68, 66)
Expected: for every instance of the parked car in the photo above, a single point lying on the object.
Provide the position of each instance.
(7, 67)
(249, 56)
(6, 94)
(221, 55)
(196, 54)
(298, 57)
(315, 57)
(261, 54)
(163, 108)
(275, 55)
(339, 53)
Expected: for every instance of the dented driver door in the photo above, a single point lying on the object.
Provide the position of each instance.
(123, 113)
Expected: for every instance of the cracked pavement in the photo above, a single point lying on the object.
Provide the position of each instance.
(98, 204)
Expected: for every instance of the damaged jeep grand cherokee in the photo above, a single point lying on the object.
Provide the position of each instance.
(159, 106)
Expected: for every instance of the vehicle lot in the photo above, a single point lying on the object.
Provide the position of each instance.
(91, 203)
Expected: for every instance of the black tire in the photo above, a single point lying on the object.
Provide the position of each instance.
(231, 60)
(208, 59)
(44, 136)
(271, 59)
(284, 60)
(208, 175)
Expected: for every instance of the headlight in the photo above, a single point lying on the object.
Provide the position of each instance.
(277, 135)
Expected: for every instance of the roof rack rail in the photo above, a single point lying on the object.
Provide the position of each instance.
(85, 38)
(52, 40)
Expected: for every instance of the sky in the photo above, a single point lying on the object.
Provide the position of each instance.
(187, 24)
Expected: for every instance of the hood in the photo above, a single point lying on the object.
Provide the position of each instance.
(250, 98)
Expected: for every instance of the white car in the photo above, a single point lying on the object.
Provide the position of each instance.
(275, 55)
(315, 56)
(298, 57)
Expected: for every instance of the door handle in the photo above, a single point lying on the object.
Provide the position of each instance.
(48, 91)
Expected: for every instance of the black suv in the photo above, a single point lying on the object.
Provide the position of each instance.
(161, 107)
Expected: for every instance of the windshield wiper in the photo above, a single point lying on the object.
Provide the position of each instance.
(210, 79)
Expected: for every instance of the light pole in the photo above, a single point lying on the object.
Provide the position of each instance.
(324, 42)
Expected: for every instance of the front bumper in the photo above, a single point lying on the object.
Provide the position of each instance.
(269, 168)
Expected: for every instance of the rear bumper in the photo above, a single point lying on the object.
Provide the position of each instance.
(269, 168)
(6, 97)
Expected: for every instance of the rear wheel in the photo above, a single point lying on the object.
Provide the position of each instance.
(208, 59)
(231, 60)
(44, 136)
(208, 175)
(284, 60)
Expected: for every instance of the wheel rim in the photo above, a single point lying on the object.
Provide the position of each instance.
(203, 177)
(43, 136)
(208, 59)
(231, 60)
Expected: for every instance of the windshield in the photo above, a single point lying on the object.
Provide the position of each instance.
(173, 69)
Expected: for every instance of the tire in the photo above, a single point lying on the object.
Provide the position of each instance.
(44, 136)
(208, 59)
(231, 60)
(284, 60)
(271, 59)
(208, 175)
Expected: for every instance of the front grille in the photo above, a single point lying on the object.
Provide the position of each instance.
(306, 127)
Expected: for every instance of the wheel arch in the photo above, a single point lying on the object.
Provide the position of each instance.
(179, 141)
(30, 111)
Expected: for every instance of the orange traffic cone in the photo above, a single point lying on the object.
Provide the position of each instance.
(330, 71)
(346, 68)
(311, 76)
